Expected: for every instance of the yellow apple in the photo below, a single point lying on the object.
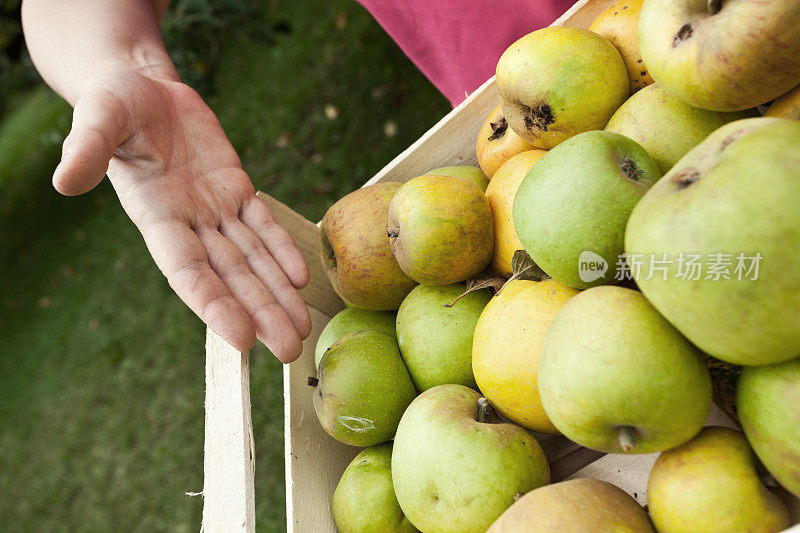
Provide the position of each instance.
(506, 345)
(500, 193)
(786, 106)
(497, 142)
(710, 484)
(619, 24)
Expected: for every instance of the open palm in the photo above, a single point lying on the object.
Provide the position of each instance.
(182, 184)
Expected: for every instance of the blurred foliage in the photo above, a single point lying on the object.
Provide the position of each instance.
(101, 366)
(193, 31)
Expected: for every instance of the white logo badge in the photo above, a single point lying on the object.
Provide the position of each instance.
(591, 266)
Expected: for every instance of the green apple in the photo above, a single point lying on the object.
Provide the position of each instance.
(722, 55)
(352, 319)
(456, 467)
(362, 388)
(710, 485)
(615, 376)
(576, 505)
(356, 254)
(364, 500)
(730, 207)
(665, 126)
(435, 338)
(473, 174)
(440, 229)
(769, 410)
(571, 209)
(559, 81)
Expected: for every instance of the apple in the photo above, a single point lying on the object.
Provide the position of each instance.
(362, 388)
(497, 143)
(730, 207)
(769, 410)
(364, 499)
(665, 126)
(506, 346)
(559, 81)
(473, 174)
(722, 55)
(576, 505)
(786, 106)
(619, 23)
(616, 377)
(456, 467)
(500, 193)
(440, 229)
(710, 484)
(355, 251)
(572, 207)
(435, 338)
(352, 319)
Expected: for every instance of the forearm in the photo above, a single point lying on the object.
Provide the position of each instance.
(71, 41)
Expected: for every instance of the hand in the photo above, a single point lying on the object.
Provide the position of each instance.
(182, 184)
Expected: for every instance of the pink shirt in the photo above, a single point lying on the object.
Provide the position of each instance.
(456, 43)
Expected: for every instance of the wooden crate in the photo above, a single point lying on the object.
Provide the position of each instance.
(314, 460)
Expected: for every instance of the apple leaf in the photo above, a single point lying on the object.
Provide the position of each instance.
(523, 267)
(479, 284)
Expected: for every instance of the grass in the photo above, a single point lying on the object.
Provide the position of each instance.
(101, 366)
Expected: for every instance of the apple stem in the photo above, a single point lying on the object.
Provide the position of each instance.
(484, 409)
(393, 233)
(627, 438)
(312, 381)
(714, 6)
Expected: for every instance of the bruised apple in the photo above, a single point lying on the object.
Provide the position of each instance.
(355, 251)
(559, 81)
(723, 55)
(619, 24)
(497, 143)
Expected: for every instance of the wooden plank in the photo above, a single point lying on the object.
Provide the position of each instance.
(583, 13)
(314, 460)
(229, 462)
(318, 293)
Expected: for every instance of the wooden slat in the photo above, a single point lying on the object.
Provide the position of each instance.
(318, 293)
(229, 462)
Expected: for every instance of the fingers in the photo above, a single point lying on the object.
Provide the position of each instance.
(269, 273)
(182, 258)
(98, 127)
(256, 216)
(273, 326)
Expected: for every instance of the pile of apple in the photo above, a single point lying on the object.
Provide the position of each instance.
(634, 222)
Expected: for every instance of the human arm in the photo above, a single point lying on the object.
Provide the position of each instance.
(174, 170)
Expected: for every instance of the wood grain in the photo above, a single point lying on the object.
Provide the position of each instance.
(229, 461)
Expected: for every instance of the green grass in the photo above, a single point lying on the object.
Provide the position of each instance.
(101, 366)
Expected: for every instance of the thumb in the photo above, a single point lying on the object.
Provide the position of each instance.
(99, 126)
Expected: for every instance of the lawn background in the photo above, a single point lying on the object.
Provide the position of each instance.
(101, 366)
